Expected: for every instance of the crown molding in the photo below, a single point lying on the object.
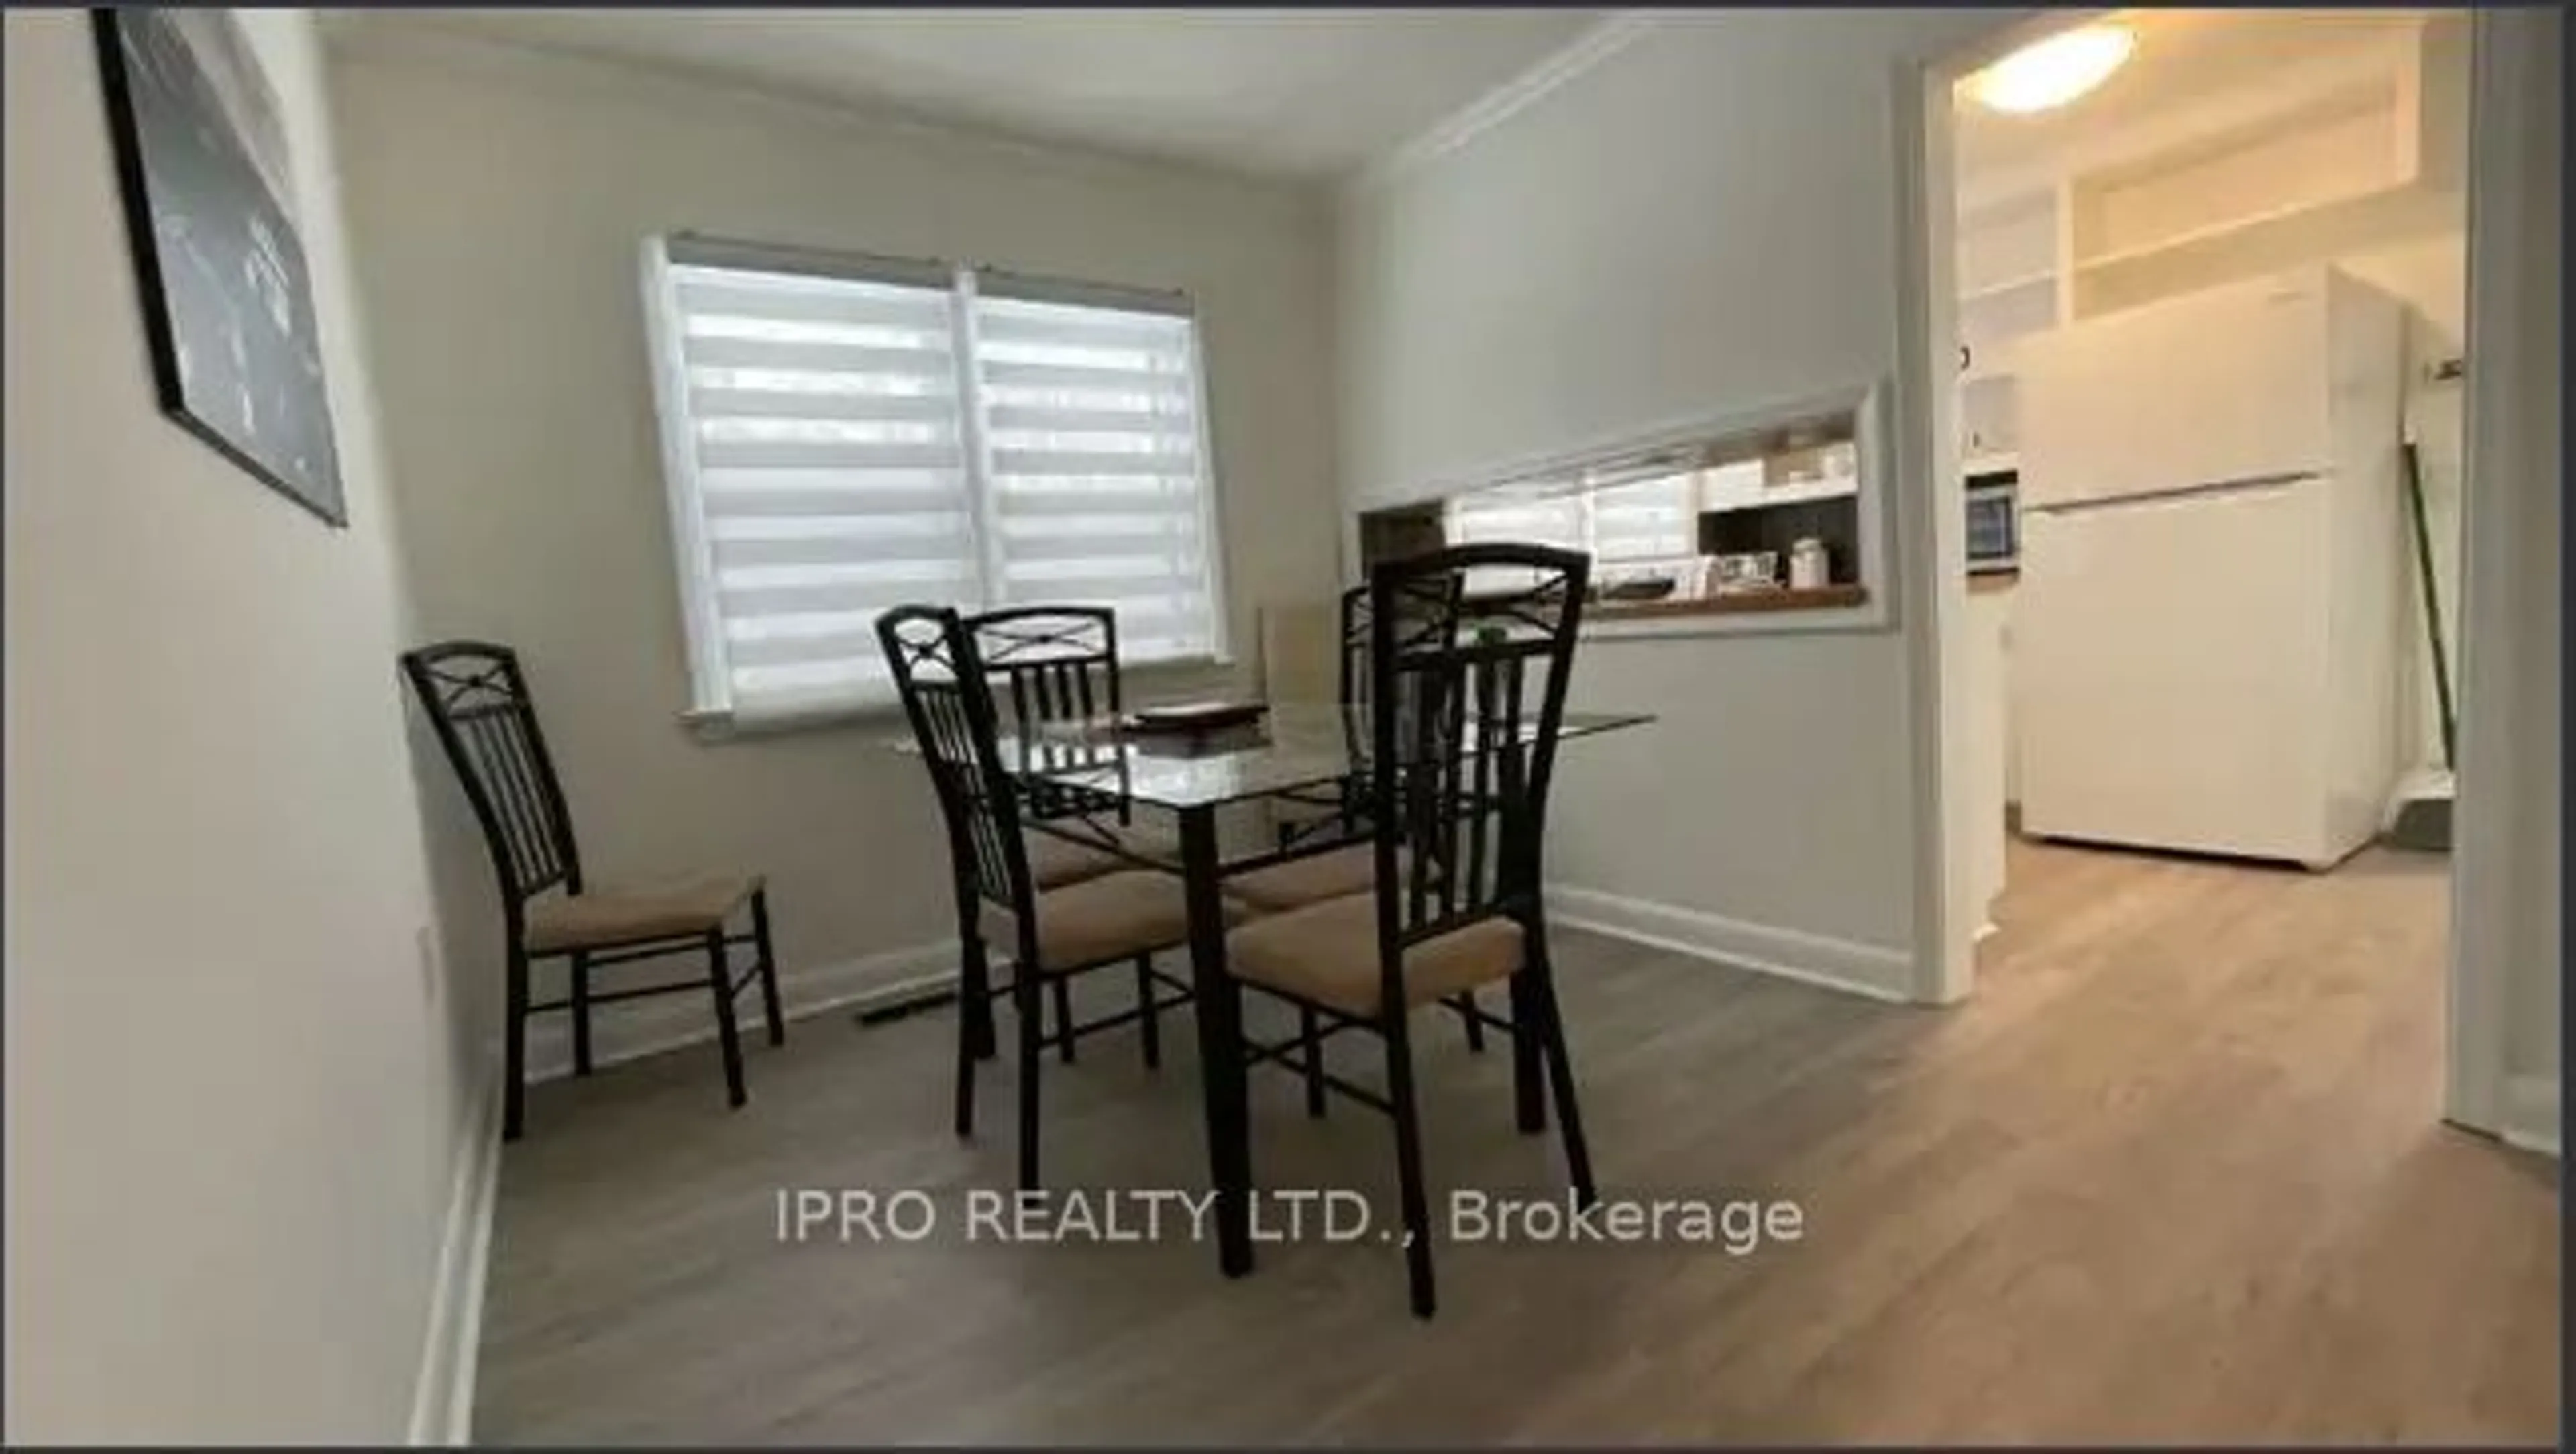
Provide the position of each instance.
(1602, 40)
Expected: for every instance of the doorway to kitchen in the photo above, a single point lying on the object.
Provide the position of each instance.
(2198, 298)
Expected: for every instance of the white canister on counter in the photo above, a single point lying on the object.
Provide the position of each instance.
(1810, 565)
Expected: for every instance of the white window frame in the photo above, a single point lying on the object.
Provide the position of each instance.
(710, 670)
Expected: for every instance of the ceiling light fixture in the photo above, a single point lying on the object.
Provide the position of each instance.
(2054, 71)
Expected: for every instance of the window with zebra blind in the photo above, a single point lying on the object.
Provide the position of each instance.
(844, 434)
(1631, 521)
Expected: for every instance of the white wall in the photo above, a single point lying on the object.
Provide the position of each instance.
(1988, 625)
(2534, 1055)
(501, 197)
(1704, 221)
(236, 1099)
(2507, 921)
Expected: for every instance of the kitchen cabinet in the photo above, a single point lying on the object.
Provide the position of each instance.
(1746, 487)
(2356, 150)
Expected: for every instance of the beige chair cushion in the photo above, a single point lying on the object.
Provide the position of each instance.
(1115, 916)
(1054, 862)
(1303, 881)
(602, 918)
(1327, 953)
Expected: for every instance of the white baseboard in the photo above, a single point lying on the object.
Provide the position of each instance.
(633, 1028)
(1863, 969)
(442, 1406)
(2530, 1118)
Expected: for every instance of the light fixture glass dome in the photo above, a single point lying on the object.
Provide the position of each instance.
(2054, 71)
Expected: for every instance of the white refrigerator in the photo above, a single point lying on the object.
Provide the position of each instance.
(2209, 620)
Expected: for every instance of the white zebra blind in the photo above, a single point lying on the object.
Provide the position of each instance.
(1634, 524)
(843, 435)
(1513, 515)
(1649, 522)
(1090, 421)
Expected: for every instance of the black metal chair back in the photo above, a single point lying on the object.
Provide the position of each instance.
(1464, 716)
(1058, 665)
(947, 693)
(478, 705)
(1429, 610)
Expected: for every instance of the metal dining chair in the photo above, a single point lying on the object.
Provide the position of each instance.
(477, 701)
(1054, 934)
(1428, 612)
(1343, 802)
(1463, 736)
(1339, 815)
(1057, 666)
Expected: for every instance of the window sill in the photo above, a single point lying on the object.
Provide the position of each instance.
(717, 725)
(714, 725)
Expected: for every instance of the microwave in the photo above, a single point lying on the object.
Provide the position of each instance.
(1994, 522)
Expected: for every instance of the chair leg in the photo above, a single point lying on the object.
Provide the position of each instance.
(728, 1035)
(1149, 1018)
(1032, 1023)
(1062, 989)
(768, 968)
(967, 1054)
(975, 994)
(578, 970)
(1310, 1043)
(1529, 1104)
(1560, 1075)
(1468, 1010)
(514, 1057)
(1408, 1163)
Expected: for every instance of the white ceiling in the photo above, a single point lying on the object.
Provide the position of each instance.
(2182, 55)
(1299, 94)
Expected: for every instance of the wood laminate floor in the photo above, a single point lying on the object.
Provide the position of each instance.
(2174, 1174)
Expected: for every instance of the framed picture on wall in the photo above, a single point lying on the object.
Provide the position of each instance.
(203, 165)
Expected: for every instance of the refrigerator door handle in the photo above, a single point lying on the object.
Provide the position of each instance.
(2238, 485)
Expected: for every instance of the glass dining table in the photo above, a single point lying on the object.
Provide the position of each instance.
(1295, 748)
